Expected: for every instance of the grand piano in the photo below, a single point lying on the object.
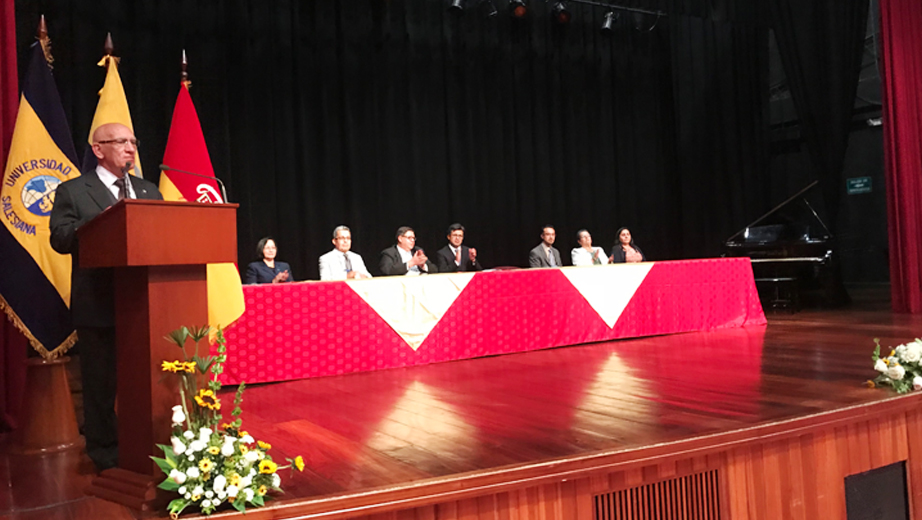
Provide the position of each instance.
(792, 253)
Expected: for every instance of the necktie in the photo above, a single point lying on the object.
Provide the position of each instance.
(550, 258)
(458, 256)
(122, 188)
(348, 262)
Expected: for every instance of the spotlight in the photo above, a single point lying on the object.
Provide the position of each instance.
(560, 12)
(487, 8)
(456, 6)
(609, 21)
(518, 8)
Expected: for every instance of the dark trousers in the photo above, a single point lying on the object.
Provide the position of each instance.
(97, 367)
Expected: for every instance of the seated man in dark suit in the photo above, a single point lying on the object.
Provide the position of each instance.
(455, 257)
(92, 299)
(545, 254)
(405, 258)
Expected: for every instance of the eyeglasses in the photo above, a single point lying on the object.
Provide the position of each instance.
(408, 237)
(121, 142)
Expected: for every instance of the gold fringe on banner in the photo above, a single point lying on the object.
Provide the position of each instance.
(59, 351)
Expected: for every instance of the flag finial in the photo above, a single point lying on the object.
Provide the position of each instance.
(185, 73)
(109, 47)
(44, 40)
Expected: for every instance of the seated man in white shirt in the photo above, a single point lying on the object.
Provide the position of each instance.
(341, 263)
(585, 254)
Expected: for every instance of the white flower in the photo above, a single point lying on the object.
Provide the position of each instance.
(247, 439)
(179, 416)
(178, 447)
(880, 365)
(249, 494)
(222, 495)
(188, 435)
(276, 480)
(245, 482)
(191, 457)
(197, 445)
(178, 476)
(228, 449)
(912, 353)
(193, 472)
(917, 383)
(219, 482)
(209, 494)
(232, 490)
(252, 473)
(187, 496)
(252, 456)
(204, 434)
(896, 372)
(199, 490)
(206, 503)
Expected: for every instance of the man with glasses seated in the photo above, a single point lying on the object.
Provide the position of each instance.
(405, 258)
(341, 263)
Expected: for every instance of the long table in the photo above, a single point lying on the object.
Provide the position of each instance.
(312, 329)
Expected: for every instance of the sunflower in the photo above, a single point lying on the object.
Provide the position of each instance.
(205, 465)
(171, 366)
(207, 399)
(234, 480)
(261, 491)
(299, 463)
(188, 366)
(214, 450)
(267, 466)
(244, 449)
(264, 445)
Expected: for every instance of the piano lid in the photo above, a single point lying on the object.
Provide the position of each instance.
(794, 220)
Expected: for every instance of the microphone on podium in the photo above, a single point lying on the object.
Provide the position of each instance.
(165, 168)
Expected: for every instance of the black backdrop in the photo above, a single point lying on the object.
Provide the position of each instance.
(381, 113)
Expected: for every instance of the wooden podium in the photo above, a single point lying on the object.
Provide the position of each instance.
(159, 251)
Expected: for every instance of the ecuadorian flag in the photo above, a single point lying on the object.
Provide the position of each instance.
(34, 279)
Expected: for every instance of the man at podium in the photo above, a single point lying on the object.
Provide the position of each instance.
(92, 300)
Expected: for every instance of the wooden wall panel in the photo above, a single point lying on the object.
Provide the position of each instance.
(796, 476)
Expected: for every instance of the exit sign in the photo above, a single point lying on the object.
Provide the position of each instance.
(857, 185)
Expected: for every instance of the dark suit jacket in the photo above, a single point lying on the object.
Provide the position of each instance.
(76, 202)
(259, 272)
(445, 261)
(536, 257)
(619, 256)
(390, 263)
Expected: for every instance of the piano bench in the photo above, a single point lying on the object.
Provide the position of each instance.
(780, 293)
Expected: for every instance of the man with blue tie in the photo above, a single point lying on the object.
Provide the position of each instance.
(545, 254)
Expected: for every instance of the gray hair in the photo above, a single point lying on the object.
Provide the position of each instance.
(337, 229)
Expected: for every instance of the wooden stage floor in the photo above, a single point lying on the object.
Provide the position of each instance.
(470, 422)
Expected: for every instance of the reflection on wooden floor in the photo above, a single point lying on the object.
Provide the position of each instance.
(470, 421)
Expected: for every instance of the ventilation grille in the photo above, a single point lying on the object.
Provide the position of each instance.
(693, 497)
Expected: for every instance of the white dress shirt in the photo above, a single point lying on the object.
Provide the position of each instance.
(333, 265)
(406, 256)
(108, 180)
(580, 256)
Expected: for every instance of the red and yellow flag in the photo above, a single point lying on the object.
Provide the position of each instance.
(186, 150)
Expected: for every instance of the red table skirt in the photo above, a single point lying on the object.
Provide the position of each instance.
(312, 329)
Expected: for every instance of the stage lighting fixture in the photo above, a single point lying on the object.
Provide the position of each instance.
(487, 8)
(456, 6)
(609, 21)
(560, 12)
(518, 8)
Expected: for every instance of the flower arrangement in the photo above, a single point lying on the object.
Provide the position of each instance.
(208, 465)
(902, 369)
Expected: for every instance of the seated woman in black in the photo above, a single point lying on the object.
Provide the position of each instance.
(625, 250)
(268, 270)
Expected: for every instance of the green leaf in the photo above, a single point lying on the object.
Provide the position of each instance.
(164, 465)
(168, 485)
(177, 505)
(240, 503)
(198, 333)
(178, 336)
(168, 454)
(258, 500)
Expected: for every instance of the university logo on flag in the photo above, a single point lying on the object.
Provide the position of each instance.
(34, 279)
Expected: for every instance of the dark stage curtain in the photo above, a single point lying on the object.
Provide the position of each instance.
(901, 29)
(821, 44)
(13, 345)
(379, 114)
